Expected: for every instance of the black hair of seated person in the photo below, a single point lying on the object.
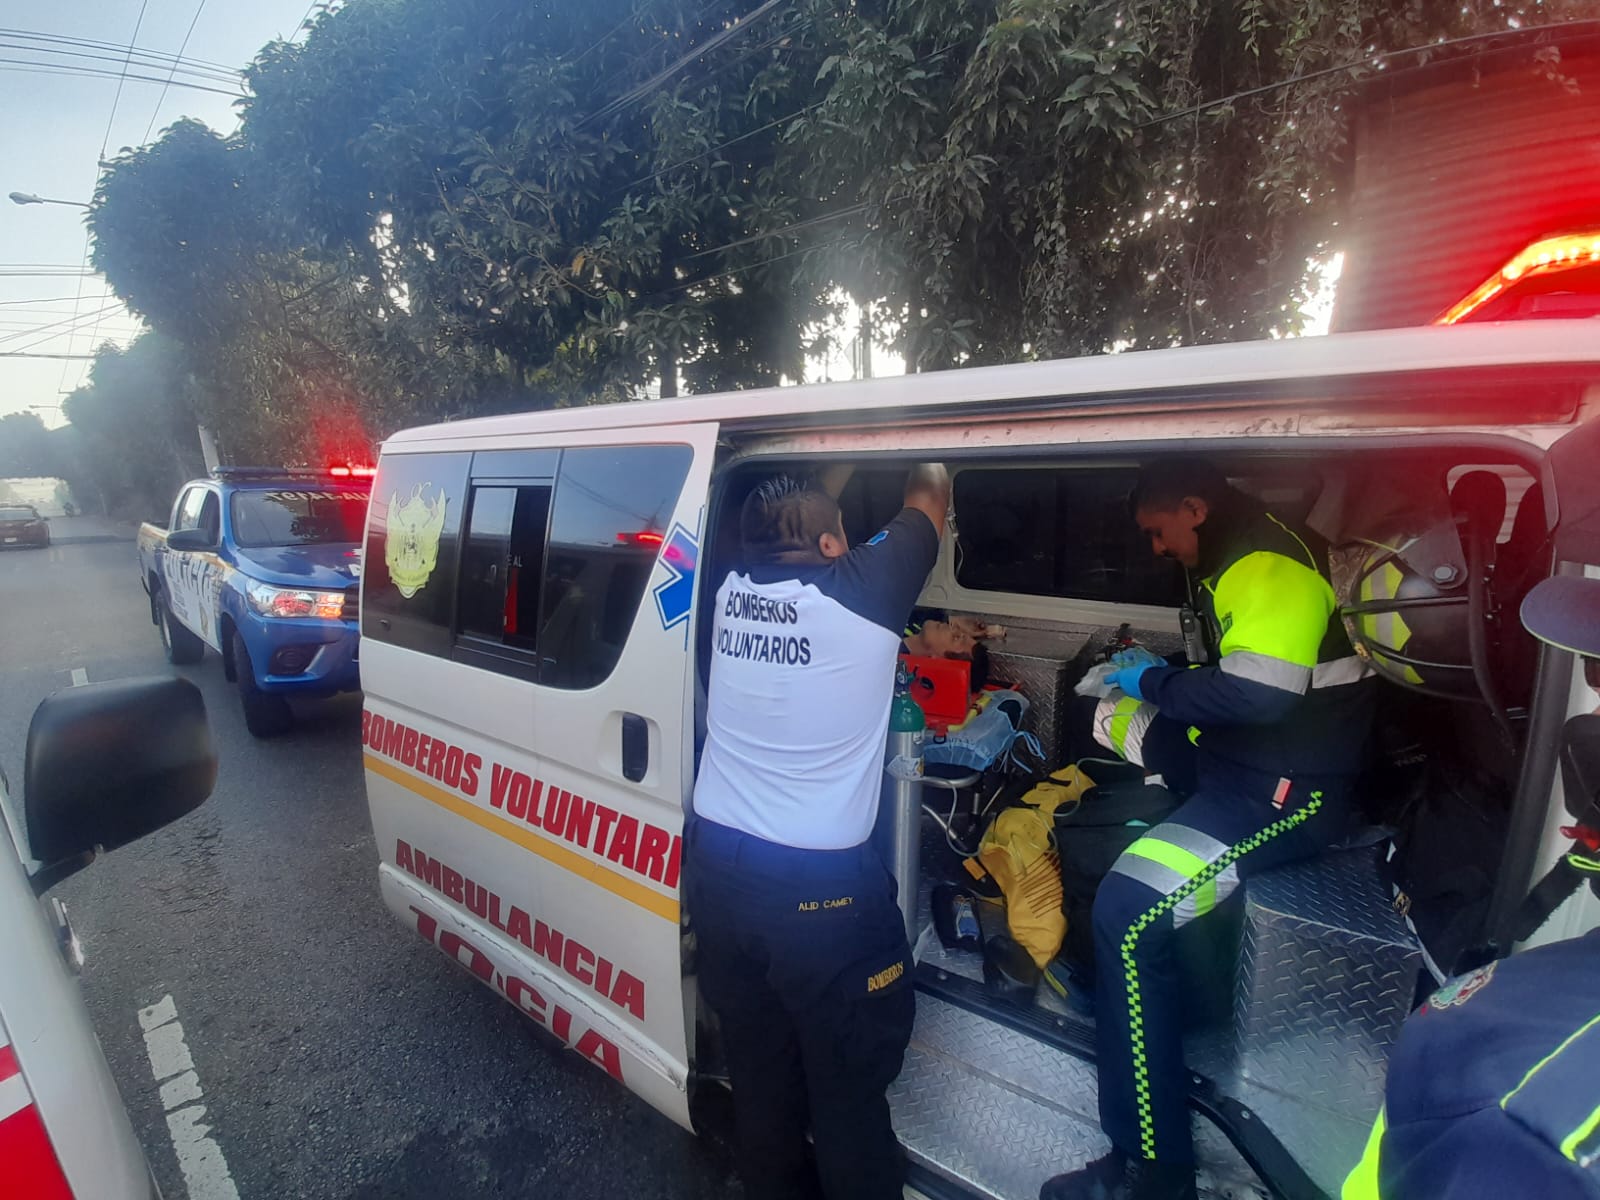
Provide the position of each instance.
(783, 519)
(1165, 483)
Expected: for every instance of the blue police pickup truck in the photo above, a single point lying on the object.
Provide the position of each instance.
(264, 566)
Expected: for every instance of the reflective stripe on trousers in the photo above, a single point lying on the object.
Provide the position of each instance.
(1177, 873)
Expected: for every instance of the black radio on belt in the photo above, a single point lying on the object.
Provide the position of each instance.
(1194, 641)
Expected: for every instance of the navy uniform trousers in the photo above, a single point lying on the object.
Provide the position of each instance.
(802, 955)
(1234, 822)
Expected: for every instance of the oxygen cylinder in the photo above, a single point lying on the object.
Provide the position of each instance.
(899, 829)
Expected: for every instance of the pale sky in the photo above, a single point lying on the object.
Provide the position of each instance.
(50, 142)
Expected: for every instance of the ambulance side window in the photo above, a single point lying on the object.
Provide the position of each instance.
(408, 585)
(1057, 531)
(502, 572)
(608, 523)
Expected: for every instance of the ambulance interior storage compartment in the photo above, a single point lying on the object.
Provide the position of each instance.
(1302, 985)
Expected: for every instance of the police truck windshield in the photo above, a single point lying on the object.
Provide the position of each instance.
(297, 518)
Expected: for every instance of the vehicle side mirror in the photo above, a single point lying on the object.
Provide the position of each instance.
(110, 762)
(190, 539)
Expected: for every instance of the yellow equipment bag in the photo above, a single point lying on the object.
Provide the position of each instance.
(1018, 851)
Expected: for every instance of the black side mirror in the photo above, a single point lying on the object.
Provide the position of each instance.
(190, 539)
(110, 762)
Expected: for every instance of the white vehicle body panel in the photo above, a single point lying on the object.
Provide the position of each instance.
(594, 954)
(1299, 396)
(43, 1017)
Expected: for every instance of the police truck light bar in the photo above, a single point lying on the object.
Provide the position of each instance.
(344, 471)
(1548, 256)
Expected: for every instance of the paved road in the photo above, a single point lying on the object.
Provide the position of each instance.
(339, 1056)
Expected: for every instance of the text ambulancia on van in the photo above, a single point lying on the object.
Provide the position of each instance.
(537, 640)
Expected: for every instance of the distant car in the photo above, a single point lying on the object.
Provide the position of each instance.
(106, 764)
(21, 525)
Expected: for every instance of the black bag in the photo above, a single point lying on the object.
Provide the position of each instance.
(1441, 862)
(1090, 838)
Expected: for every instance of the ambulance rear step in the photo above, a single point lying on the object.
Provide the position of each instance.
(995, 1098)
(992, 1103)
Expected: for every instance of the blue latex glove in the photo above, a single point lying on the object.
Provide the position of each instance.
(1127, 678)
(1136, 656)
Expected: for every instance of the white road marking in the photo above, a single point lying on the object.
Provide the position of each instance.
(181, 1089)
(159, 1013)
(168, 1052)
(205, 1171)
(79, 676)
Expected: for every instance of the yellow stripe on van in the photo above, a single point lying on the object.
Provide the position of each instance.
(614, 882)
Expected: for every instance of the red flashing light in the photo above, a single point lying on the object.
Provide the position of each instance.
(339, 472)
(645, 537)
(347, 472)
(1547, 256)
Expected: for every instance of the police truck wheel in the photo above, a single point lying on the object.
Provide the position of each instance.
(182, 647)
(265, 715)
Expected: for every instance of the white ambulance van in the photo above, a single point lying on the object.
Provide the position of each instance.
(535, 622)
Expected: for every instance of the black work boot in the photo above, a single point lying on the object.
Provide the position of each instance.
(1117, 1177)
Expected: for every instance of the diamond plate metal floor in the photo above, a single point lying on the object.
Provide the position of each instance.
(999, 1112)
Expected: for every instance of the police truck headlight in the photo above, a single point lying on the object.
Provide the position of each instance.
(295, 602)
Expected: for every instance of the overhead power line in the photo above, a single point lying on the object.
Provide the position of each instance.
(712, 43)
(44, 272)
(126, 63)
(161, 99)
(772, 124)
(34, 300)
(616, 29)
(174, 64)
(67, 320)
(22, 66)
(32, 354)
(63, 39)
(1369, 61)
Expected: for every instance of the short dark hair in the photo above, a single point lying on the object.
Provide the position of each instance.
(1165, 483)
(786, 516)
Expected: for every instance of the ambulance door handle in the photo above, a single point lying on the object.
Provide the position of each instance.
(635, 747)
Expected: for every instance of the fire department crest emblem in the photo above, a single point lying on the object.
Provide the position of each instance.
(412, 550)
(1462, 988)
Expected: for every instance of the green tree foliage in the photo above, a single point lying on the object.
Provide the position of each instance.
(434, 210)
(131, 438)
(1048, 177)
(279, 342)
(25, 449)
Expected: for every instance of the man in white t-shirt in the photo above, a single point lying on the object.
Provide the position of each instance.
(802, 950)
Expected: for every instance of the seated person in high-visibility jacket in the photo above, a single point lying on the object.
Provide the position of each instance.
(1269, 734)
(1494, 1086)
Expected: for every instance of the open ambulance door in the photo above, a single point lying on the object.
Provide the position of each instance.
(1571, 486)
(565, 684)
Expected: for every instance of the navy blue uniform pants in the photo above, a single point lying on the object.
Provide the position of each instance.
(802, 955)
(1235, 822)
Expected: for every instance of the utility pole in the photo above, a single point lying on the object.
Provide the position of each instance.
(864, 340)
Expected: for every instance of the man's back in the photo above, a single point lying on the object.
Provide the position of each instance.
(802, 673)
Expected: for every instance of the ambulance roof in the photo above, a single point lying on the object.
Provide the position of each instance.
(1072, 382)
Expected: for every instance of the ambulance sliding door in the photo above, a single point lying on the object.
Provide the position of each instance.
(553, 873)
(614, 718)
